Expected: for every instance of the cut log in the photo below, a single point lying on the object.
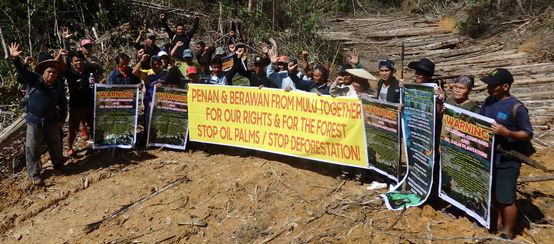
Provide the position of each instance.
(462, 55)
(489, 58)
(536, 178)
(404, 32)
(12, 132)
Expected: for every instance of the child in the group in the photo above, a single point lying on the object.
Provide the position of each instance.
(217, 77)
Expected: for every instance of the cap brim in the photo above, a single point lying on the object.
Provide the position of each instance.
(489, 80)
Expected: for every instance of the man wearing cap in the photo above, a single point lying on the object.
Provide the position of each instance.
(278, 70)
(258, 76)
(149, 46)
(193, 74)
(46, 111)
(180, 34)
(85, 46)
(187, 61)
(511, 126)
(166, 60)
(388, 86)
(91, 59)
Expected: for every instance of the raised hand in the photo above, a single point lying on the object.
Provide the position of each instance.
(265, 48)
(293, 67)
(339, 80)
(28, 60)
(66, 34)
(144, 58)
(239, 53)
(179, 44)
(272, 56)
(140, 52)
(142, 32)
(63, 52)
(15, 50)
(353, 56)
(207, 49)
(305, 55)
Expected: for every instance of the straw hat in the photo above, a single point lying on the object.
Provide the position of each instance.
(46, 60)
(362, 73)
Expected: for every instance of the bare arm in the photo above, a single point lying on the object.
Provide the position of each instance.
(305, 64)
(194, 27)
(501, 130)
(139, 37)
(174, 50)
(170, 33)
(136, 69)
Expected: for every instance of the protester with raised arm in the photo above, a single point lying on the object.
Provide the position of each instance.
(149, 46)
(46, 110)
(155, 76)
(86, 46)
(180, 34)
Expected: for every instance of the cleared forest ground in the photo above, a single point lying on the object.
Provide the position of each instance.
(240, 196)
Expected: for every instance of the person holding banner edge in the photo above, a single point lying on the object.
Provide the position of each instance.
(509, 130)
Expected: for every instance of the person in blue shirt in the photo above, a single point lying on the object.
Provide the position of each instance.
(509, 130)
(217, 77)
(122, 74)
(45, 112)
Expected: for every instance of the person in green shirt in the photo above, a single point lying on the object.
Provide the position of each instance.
(460, 94)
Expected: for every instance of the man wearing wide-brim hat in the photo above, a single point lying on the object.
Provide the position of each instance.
(46, 110)
(424, 70)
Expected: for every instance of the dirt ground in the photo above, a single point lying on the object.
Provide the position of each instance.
(235, 196)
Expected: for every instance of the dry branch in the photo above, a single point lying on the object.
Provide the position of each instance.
(150, 5)
(93, 226)
(12, 132)
(288, 226)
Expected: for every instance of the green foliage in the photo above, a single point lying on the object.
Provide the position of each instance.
(485, 16)
(295, 26)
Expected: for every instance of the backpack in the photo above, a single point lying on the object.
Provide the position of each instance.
(25, 100)
(525, 147)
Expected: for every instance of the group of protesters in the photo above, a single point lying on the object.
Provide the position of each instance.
(177, 64)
